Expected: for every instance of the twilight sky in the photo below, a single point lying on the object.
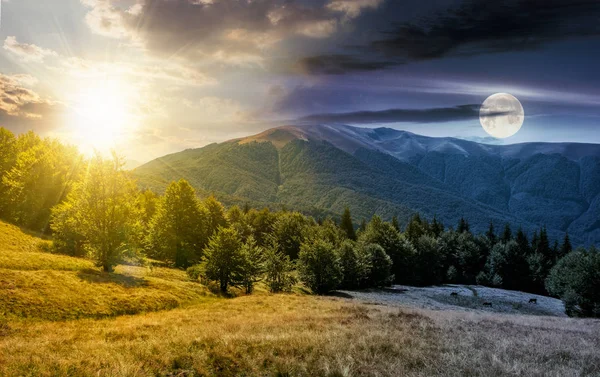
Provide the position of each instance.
(151, 77)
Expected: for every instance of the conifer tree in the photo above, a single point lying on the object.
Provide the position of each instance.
(490, 234)
(347, 226)
(507, 234)
(463, 226)
(566, 247)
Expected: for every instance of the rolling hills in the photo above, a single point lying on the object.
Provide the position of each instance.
(391, 172)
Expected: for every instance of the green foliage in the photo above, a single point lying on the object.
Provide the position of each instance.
(195, 272)
(356, 265)
(279, 270)
(36, 175)
(178, 230)
(319, 266)
(380, 272)
(224, 259)
(507, 267)
(415, 228)
(576, 280)
(289, 232)
(347, 225)
(100, 209)
(215, 215)
(385, 235)
(428, 262)
(254, 264)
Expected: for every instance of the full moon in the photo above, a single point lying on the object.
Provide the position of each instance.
(501, 115)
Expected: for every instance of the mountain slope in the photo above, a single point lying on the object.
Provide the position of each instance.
(392, 172)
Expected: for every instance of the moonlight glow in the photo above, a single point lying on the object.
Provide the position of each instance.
(501, 115)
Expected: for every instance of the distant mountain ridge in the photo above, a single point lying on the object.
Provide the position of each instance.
(393, 172)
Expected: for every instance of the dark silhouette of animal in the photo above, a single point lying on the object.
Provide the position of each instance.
(454, 294)
(487, 304)
(533, 300)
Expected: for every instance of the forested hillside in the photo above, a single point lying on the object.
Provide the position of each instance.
(395, 173)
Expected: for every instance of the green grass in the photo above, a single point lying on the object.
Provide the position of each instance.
(38, 285)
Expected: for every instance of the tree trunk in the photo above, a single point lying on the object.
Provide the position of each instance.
(107, 268)
(223, 286)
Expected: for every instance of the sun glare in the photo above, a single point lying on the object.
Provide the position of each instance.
(102, 116)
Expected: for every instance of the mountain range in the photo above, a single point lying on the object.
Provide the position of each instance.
(323, 168)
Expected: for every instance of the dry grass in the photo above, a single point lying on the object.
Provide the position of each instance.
(302, 335)
(258, 335)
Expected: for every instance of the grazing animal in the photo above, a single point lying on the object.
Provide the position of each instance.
(454, 294)
(487, 304)
(533, 300)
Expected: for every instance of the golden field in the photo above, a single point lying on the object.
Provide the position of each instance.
(60, 316)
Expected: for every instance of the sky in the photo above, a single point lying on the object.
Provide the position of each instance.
(151, 77)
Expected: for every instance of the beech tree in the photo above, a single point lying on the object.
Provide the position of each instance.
(178, 230)
(224, 260)
(100, 209)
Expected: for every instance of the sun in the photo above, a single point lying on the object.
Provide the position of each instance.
(102, 116)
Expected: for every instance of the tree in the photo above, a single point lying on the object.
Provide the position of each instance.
(437, 228)
(178, 230)
(216, 217)
(40, 176)
(522, 242)
(224, 260)
(576, 280)
(540, 262)
(279, 270)
(253, 269)
(100, 210)
(380, 273)
(565, 248)
(8, 151)
(490, 234)
(261, 223)
(319, 266)
(463, 226)
(347, 226)
(290, 231)
(506, 234)
(414, 228)
(428, 262)
(507, 267)
(356, 265)
(383, 234)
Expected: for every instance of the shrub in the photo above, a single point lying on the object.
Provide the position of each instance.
(195, 272)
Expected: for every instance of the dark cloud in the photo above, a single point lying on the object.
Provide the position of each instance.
(432, 115)
(340, 64)
(473, 28)
(482, 26)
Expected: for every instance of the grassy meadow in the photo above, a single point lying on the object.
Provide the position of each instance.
(61, 316)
